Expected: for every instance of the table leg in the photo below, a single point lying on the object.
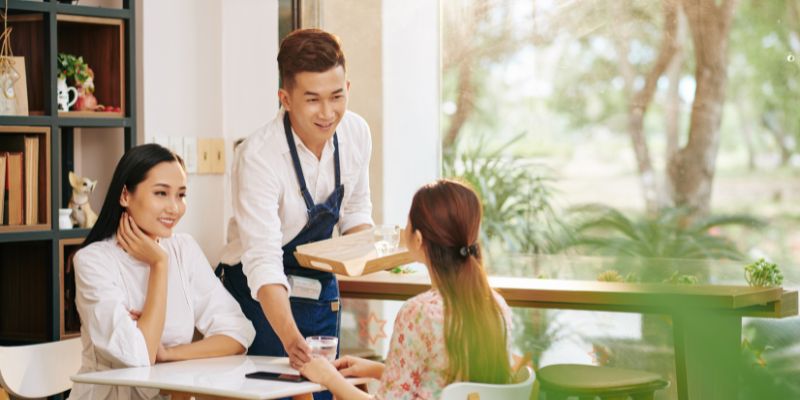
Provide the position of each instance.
(707, 355)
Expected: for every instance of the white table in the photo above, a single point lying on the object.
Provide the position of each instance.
(221, 377)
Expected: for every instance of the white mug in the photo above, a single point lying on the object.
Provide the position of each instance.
(63, 95)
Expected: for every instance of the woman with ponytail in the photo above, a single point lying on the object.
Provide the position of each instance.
(456, 332)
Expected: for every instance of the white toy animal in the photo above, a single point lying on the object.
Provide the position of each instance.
(82, 213)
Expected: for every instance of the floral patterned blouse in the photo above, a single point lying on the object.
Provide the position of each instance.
(417, 359)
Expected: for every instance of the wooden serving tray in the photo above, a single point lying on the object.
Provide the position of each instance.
(349, 255)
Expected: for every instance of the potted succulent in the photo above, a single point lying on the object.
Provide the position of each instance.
(763, 273)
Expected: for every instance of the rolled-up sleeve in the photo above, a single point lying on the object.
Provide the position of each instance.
(215, 310)
(357, 209)
(256, 192)
(100, 299)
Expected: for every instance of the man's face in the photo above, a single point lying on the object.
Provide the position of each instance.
(316, 103)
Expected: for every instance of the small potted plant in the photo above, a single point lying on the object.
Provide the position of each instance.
(72, 67)
(763, 273)
(77, 71)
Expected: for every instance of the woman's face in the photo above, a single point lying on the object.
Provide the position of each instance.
(158, 202)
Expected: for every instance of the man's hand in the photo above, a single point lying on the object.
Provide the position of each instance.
(276, 306)
(298, 350)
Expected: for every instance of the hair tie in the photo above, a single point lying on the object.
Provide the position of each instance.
(471, 250)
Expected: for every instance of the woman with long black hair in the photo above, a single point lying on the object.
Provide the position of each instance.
(141, 291)
(456, 332)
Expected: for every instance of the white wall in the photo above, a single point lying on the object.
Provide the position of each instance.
(207, 70)
(250, 73)
(411, 72)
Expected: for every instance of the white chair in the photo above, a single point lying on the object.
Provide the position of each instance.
(484, 391)
(39, 370)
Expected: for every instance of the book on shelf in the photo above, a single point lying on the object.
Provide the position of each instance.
(14, 186)
(27, 146)
(2, 187)
(31, 180)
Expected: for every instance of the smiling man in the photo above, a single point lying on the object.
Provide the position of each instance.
(293, 181)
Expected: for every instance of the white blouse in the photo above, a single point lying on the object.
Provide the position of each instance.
(269, 210)
(110, 283)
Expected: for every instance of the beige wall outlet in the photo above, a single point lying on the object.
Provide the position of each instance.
(211, 156)
(203, 156)
(217, 154)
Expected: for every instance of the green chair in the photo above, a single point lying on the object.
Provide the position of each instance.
(587, 382)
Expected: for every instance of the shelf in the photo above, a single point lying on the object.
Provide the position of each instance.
(24, 290)
(36, 290)
(74, 233)
(69, 321)
(100, 41)
(8, 237)
(78, 122)
(88, 11)
(115, 11)
(35, 199)
(25, 120)
(27, 5)
(89, 114)
(28, 41)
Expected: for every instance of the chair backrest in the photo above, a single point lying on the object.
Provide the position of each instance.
(484, 391)
(39, 370)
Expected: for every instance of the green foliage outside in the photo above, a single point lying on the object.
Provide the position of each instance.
(582, 110)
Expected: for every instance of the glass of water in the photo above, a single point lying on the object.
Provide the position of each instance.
(324, 346)
(387, 239)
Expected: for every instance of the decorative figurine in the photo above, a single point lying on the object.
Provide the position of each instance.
(82, 213)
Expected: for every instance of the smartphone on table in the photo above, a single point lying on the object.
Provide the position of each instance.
(272, 376)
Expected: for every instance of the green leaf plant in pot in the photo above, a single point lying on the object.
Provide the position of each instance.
(763, 273)
(75, 70)
(72, 67)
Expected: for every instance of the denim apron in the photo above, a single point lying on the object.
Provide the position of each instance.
(312, 316)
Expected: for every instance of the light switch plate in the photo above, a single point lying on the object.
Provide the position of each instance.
(176, 145)
(190, 154)
(163, 141)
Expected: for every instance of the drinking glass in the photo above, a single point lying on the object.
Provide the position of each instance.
(324, 346)
(387, 239)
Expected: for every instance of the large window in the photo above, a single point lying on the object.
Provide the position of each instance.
(631, 140)
(639, 140)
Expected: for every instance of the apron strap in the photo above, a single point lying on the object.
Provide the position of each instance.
(298, 169)
(336, 160)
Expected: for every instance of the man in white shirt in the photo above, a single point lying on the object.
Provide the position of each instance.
(293, 181)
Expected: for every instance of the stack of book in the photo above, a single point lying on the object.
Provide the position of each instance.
(19, 179)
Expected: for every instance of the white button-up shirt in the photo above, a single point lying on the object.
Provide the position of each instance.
(269, 210)
(110, 283)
